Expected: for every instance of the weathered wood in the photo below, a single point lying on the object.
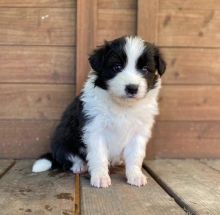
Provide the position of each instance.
(147, 23)
(113, 23)
(213, 163)
(122, 198)
(195, 28)
(37, 26)
(23, 192)
(190, 4)
(192, 66)
(117, 4)
(193, 182)
(190, 103)
(5, 166)
(27, 101)
(38, 3)
(181, 139)
(32, 64)
(86, 38)
(170, 139)
(25, 138)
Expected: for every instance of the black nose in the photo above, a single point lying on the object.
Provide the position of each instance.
(131, 89)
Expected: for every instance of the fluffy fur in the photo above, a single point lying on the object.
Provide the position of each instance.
(111, 120)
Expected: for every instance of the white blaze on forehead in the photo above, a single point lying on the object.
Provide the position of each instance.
(134, 47)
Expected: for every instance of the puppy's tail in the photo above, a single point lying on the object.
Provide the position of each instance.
(44, 163)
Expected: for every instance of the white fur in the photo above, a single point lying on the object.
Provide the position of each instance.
(79, 165)
(133, 48)
(41, 165)
(120, 128)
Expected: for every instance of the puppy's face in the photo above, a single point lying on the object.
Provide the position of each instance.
(128, 68)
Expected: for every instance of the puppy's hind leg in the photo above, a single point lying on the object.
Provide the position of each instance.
(79, 166)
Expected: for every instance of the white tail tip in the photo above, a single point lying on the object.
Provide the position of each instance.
(41, 165)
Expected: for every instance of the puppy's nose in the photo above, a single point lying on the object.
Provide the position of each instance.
(131, 89)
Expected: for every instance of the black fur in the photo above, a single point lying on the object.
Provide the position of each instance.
(149, 62)
(103, 60)
(67, 137)
(106, 61)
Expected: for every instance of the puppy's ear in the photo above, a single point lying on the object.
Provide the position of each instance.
(96, 59)
(160, 62)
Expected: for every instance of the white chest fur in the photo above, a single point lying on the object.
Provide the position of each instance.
(114, 124)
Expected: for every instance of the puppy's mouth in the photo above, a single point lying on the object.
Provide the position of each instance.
(131, 97)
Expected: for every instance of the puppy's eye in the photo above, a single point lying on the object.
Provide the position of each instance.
(117, 68)
(145, 69)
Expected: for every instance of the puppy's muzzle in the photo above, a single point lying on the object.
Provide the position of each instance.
(131, 90)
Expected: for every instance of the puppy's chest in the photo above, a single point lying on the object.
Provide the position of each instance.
(119, 128)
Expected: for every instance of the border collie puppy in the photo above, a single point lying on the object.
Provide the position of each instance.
(111, 120)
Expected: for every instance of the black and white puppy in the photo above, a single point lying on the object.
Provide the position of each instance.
(111, 120)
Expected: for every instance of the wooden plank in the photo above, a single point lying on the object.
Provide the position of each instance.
(195, 28)
(189, 66)
(181, 139)
(117, 4)
(5, 166)
(77, 195)
(27, 101)
(188, 103)
(122, 198)
(33, 64)
(170, 139)
(86, 38)
(193, 182)
(147, 23)
(38, 3)
(23, 192)
(37, 26)
(114, 23)
(190, 4)
(25, 138)
(213, 163)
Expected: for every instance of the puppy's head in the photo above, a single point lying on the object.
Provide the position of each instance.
(128, 68)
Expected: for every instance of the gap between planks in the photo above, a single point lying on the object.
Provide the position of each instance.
(77, 205)
(170, 191)
(13, 162)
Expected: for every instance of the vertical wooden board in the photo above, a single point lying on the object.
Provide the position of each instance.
(4, 166)
(193, 182)
(86, 38)
(25, 138)
(147, 23)
(121, 198)
(24, 192)
(33, 64)
(117, 4)
(37, 26)
(114, 23)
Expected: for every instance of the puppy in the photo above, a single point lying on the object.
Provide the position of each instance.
(111, 120)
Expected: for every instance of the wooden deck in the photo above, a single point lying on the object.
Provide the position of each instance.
(174, 187)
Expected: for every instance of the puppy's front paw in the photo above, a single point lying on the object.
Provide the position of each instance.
(100, 181)
(137, 179)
